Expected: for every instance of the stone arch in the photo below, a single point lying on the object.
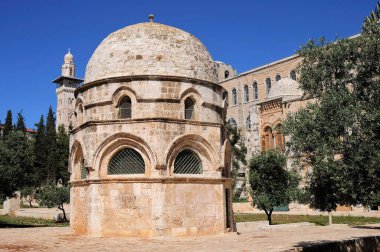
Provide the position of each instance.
(110, 146)
(119, 95)
(198, 145)
(77, 155)
(195, 96)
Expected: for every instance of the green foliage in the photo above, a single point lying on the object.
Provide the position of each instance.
(7, 221)
(16, 163)
(8, 125)
(271, 184)
(20, 125)
(29, 193)
(62, 155)
(239, 153)
(338, 135)
(320, 220)
(52, 195)
(51, 145)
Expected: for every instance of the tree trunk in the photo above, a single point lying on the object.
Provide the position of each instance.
(330, 218)
(269, 215)
(64, 213)
(30, 203)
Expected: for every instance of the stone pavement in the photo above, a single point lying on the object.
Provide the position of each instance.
(277, 239)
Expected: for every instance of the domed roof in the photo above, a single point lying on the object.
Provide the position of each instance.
(286, 88)
(68, 56)
(150, 49)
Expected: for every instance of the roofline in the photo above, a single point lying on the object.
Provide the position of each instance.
(294, 56)
(67, 77)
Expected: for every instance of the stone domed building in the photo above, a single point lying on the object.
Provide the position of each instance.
(148, 150)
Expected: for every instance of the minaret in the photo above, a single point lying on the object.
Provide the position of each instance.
(66, 85)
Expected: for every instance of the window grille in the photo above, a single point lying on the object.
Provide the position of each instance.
(126, 161)
(83, 170)
(125, 108)
(189, 108)
(187, 162)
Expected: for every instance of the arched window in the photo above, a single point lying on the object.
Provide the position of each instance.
(232, 123)
(280, 140)
(248, 122)
(278, 77)
(187, 162)
(267, 142)
(234, 96)
(268, 84)
(293, 75)
(126, 161)
(125, 108)
(189, 108)
(83, 170)
(226, 74)
(246, 93)
(255, 91)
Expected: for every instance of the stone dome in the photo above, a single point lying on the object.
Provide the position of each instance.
(151, 49)
(69, 58)
(285, 88)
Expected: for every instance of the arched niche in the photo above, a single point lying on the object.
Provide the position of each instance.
(115, 143)
(198, 145)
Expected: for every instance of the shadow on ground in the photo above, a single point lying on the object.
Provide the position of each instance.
(370, 243)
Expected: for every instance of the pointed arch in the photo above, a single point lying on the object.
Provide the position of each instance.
(117, 142)
(197, 144)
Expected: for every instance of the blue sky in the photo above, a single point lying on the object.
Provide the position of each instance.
(35, 35)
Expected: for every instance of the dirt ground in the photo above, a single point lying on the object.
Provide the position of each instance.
(277, 239)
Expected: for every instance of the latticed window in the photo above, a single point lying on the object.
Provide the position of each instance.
(246, 94)
(189, 108)
(255, 91)
(269, 84)
(83, 170)
(234, 96)
(127, 161)
(293, 75)
(125, 108)
(278, 77)
(187, 162)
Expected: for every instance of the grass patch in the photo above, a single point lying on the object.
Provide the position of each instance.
(7, 221)
(319, 220)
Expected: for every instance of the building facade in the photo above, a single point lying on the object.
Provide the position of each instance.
(149, 154)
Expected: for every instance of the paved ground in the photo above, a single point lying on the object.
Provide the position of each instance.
(278, 239)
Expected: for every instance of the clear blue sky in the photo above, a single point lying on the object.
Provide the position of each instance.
(35, 35)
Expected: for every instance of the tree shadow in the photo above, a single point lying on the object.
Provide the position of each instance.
(369, 243)
(367, 227)
(13, 225)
